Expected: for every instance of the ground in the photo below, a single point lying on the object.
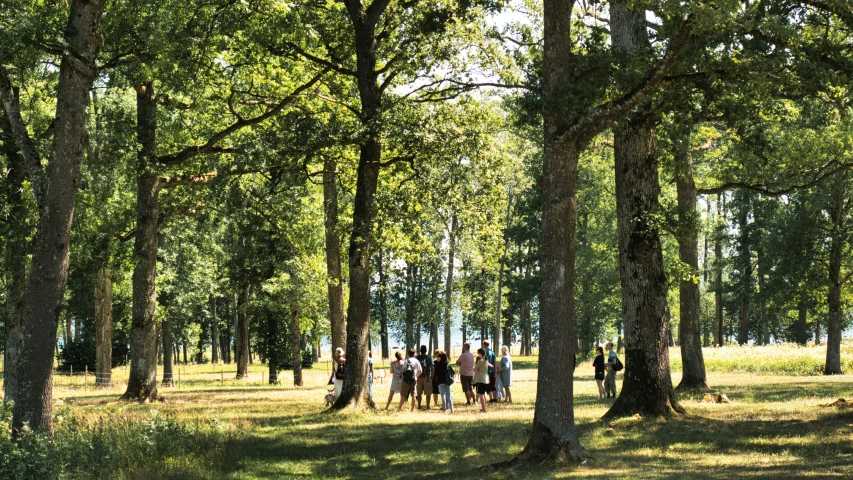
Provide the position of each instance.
(774, 427)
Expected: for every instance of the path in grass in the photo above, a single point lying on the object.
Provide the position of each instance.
(773, 428)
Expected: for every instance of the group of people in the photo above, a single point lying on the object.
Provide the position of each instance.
(422, 379)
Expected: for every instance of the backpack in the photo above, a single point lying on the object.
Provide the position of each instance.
(450, 376)
(424, 367)
(409, 374)
(618, 365)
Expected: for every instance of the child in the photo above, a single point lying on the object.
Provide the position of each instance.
(481, 378)
(598, 365)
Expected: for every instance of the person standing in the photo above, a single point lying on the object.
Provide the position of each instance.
(441, 367)
(466, 372)
(598, 365)
(340, 361)
(411, 373)
(490, 357)
(425, 378)
(397, 369)
(481, 378)
(610, 379)
(370, 374)
(504, 372)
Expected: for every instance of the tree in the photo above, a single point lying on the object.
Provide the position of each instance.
(49, 265)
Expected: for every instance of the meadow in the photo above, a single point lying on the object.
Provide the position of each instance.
(213, 427)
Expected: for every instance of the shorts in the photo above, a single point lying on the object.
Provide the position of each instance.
(406, 390)
(434, 386)
(424, 384)
(599, 375)
(483, 388)
(467, 383)
(492, 382)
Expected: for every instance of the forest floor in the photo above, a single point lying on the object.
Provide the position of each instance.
(774, 427)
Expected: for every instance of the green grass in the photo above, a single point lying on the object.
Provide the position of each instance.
(774, 428)
(785, 359)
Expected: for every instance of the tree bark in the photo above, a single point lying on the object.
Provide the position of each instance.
(295, 346)
(836, 257)
(168, 355)
(272, 349)
(16, 248)
(50, 260)
(142, 383)
(199, 356)
(647, 386)
(214, 332)
(448, 286)
(689, 334)
(103, 326)
(241, 334)
(333, 254)
(383, 305)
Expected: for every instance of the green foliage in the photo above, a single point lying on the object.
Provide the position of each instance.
(158, 445)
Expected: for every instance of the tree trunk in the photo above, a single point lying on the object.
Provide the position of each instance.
(142, 383)
(241, 334)
(836, 257)
(296, 346)
(214, 332)
(448, 286)
(383, 306)
(272, 348)
(103, 326)
(800, 325)
(333, 254)
(689, 335)
(410, 306)
(235, 313)
(647, 386)
(746, 280)
(50, 259)
(16, 248)
(718, 282)
(199, 356)
(168, 355)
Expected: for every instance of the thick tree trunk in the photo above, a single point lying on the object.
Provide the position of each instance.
(448, 286)
(553, 433)
(103, 326)
(214, 332)
(836, 257)
(296, 346)
(383, 305)
(168, 355)
(718, 278)
(241, 334)
(647, 386)
(16, 248)
(689, 334)
(333, 254)
(50, 260)
(142, 383)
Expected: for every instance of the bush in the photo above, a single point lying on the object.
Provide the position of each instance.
(158, 446)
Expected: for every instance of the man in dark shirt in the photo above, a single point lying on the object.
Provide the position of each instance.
(490, 357)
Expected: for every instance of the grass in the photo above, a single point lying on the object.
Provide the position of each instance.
(774, 428)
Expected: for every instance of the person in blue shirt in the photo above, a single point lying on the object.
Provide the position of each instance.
(610, 379)
(490, 357)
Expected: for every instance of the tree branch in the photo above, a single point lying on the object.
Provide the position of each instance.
(32, 159)
(210, 146)
(822, 174)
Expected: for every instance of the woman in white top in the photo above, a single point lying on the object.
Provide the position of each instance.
(397, 369)
(340, 361)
